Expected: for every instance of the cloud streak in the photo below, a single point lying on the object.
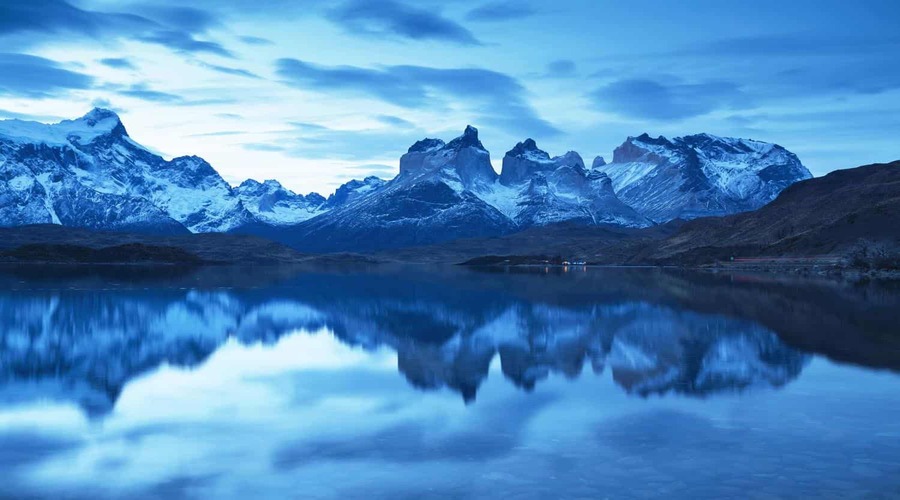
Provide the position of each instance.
(40, 21)
(656, 100)
(35, 77)
(230, 71)
(117, 63)
(389, 17)
(499, 98)
(503, 10)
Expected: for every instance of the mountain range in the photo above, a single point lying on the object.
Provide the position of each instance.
(89, 173)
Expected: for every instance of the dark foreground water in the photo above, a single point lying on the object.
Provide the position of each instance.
(410, 383)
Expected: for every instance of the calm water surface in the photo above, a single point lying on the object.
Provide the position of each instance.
(300, 383)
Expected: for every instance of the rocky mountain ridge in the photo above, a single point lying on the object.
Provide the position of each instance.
(89, 173)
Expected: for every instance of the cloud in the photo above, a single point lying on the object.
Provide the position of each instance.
(219, 133)
(230, 71)
(388, 17)
(561, 68)
(118, 63)
(499, 98)
(101, 103)
(394, 121)
(797, 44)
(500, 11)
(784, 66)
(256, 40)
(185, 18)
(254, 146)
(41, 21)
(6, 114)
(141, 91)
(56, 16)
(650, 99)
(32, 76)
(351, 145)
(181, 41)
(309, 127)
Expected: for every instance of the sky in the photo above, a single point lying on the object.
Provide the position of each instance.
(315, 93)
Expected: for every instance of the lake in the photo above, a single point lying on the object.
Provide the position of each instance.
(408, 382)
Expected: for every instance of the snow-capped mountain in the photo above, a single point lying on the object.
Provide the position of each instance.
(447, 191)
(89, 173)
(700, 175)
(432, 200)
(272, 203)
(535, 190)
(352, 190)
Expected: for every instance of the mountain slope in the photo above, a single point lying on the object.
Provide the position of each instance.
(272, 203)
(352, 190)
(700, 175)
(89, 173)
(536, 190)
(430, 201)
(844, 212)
(448, 191)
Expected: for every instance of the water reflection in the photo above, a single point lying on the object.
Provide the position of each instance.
(84, 339)
(277, 382)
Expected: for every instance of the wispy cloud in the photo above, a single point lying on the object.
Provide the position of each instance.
(659, 100)
(230, 71)
(561, 68)
(256, 40)
(499, 98)
(181, 41)
(32, 76)
(394, 121)
(118, 63)
(389, 17)
(503, 10)
(261, 146)
(177, 28)
(143, 92)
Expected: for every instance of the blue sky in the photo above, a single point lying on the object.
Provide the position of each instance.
(317, 92)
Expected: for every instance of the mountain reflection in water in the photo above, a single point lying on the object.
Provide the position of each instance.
(390, 382)
(82, 336)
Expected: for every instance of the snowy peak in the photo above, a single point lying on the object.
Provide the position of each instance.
(536, 189)
(426, 145)
(641, 148)
(97, 122)
(570, 159)
(88, 173)
(354, 190)
(463, 163)
(98, 115)
(526, 160)
(272, 203)
(523, 161)
(81, 131)
(598, 162)
(528, 149)
(469, 139)
(700, 175)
